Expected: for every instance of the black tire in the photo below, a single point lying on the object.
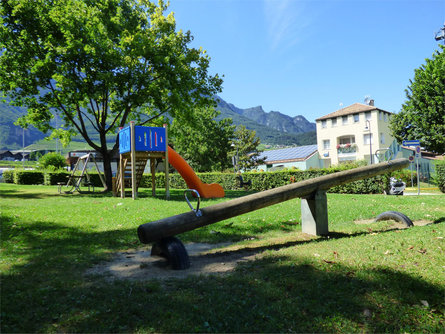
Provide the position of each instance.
(174, 251)
(394, 215)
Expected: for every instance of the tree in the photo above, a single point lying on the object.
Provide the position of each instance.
(206, 143)
(423, 114)
(99, 64)
(246, 150)
(52, 160)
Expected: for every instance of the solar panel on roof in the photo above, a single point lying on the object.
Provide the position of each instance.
(289, 153)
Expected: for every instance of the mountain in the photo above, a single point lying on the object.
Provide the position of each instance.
(273, 128)
(273, 119)
(11, 136)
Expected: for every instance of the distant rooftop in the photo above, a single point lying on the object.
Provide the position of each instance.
(290, 154)
(352, 109)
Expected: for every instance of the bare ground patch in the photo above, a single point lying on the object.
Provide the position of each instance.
(139, 264)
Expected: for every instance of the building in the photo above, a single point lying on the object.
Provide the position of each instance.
(7, 155)
(302, 157)
(353, 133)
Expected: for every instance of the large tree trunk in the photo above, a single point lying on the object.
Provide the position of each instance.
(108, 174)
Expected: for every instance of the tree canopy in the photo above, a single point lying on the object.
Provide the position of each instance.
(99, 64)
(246, 149)
(423, 114)
(205, 144)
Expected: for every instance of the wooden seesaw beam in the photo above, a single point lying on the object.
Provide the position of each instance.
(314, 190)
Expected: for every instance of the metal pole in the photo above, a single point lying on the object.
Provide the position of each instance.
(418, 177)
(134, 193)
(23, 150)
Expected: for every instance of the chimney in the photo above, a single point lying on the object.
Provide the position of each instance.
(371, 102)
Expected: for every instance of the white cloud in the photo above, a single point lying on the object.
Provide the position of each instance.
(286, 22)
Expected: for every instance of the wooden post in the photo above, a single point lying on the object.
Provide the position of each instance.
(167, 182)
(153, 176)
(134, 193)
(122, 175)
(314, 214)
(189, 221)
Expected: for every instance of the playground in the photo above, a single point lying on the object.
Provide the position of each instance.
(297, 258)
(293, 258)
(364, 276)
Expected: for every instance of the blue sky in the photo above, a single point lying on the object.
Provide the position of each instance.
(311, 58)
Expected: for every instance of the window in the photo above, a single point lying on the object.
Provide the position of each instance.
(323, 123)
(344, 120)
(356, 118)
(326, 144)
(347, 140)
(334, 122)
(382, 138)
(367, 116)
(380, 115)
(367, 139)
(385, 117)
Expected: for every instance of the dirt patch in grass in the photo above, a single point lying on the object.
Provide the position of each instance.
(395, 224)
(139, 264)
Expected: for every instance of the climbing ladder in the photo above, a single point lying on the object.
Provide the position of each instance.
(126, 166)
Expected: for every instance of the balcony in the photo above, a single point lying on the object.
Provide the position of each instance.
(346, 149)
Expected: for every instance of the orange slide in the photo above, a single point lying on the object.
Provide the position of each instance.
(205, 190)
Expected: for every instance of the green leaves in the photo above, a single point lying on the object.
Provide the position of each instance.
(99, 64)
(203, 141)
(246, 151)
(423, 114)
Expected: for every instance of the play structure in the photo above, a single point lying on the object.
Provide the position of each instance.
(79, 176)
(137, 145)
(314, 210)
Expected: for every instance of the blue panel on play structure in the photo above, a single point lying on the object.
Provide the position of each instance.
(146, 139)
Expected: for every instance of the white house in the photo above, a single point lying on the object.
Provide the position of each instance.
(353, 133)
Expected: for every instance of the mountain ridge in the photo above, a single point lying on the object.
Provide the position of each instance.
(273, 128)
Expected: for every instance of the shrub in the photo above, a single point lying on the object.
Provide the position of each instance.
(54, 177)
(8, 176)
(269, 180)
(439, 176)
(28, 176)
(405, 176)
(52, 161)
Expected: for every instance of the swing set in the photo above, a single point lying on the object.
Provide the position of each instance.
(79, 176)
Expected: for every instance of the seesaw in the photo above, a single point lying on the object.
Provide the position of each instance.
(314, 210)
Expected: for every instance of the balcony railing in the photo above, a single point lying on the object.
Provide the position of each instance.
(346, 148)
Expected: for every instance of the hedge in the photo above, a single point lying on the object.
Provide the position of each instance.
(52, 178)
(23, 176)
(8, 176)
(439, 177)
(260, 181)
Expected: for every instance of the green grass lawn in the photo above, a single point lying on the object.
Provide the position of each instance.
(364, 277)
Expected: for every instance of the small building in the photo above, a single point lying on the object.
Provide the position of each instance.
(7, 155)
(301, 157)
(353, 133)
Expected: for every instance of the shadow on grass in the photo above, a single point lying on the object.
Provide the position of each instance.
(48, 192)
(20, 194)
(45, 291)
